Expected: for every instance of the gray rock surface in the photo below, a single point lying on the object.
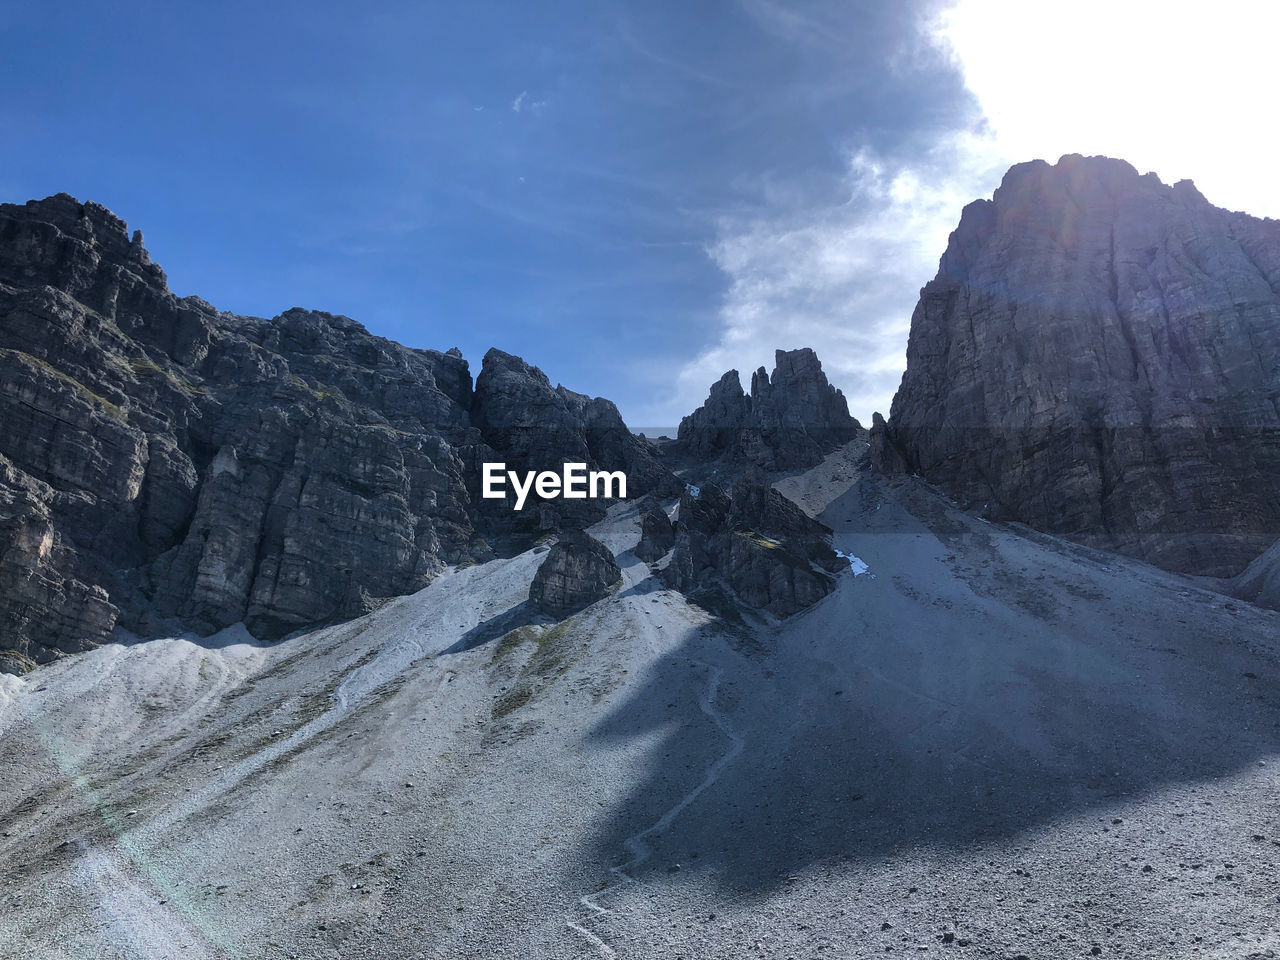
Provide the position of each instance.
(578, 571)
(1099, 357)
(756, 543)
(165, 465)
(788, 421)
(657, 532)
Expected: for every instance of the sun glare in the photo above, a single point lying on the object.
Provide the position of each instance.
(1179, 88)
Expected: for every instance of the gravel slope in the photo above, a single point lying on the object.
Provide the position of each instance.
(992, 744)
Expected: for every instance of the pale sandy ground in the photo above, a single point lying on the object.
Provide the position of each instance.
(993, 744)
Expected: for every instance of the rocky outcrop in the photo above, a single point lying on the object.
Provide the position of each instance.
(756, 543)
(715, 428)
(788, 421)
(1099, 357)
(578, 571)
(166, 465)
(657, 532)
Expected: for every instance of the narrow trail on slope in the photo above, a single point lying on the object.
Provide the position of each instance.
(635, 844)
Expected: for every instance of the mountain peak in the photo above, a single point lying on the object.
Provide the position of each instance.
(1098, 356)
(790, 419)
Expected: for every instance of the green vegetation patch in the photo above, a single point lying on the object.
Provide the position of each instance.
(145, 367)
(319, 393)
(512, 700)
(758, 539)
(783, 554)
(554, 652)
(510, 640)
(11, 661)
(109, 408)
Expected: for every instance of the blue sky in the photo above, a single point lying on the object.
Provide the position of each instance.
(633, 196)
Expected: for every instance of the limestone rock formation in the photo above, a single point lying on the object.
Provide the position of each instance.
(45, 595)
(1099, 357)
(165, 466)
(657, 533)
(578, 571)
(757, 543)
(788, 421)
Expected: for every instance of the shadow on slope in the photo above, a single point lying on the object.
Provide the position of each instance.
(522, 614)
(982, 683)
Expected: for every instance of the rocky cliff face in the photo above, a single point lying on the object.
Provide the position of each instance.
(1099, 357)
(163, 463)
(788, 421)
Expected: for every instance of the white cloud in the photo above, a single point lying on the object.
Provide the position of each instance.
(842, 279)
(1175, 88)
(522, 103)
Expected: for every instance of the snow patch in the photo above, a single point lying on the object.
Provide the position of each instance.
(856, 564)
(693, 490)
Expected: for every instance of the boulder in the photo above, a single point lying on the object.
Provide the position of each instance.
(657, 533)
(756, 543)
(578, 571)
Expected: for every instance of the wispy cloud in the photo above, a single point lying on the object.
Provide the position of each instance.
(685, 69)
(790, 22)
(842, 275)
(523, 103)
(844, 278)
